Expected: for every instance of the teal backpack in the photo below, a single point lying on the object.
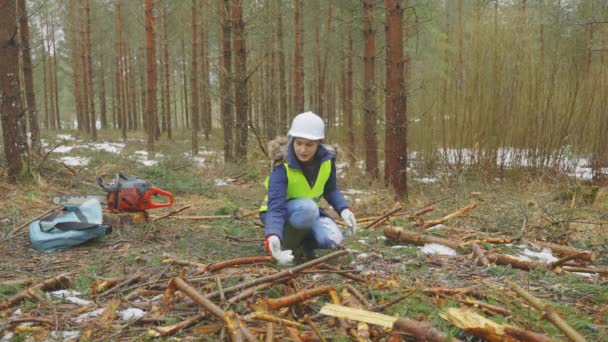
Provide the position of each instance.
(71, 226)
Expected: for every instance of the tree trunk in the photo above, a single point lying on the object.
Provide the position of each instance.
(89, 70)
(167, 97)
(282, 80)
(83, 72)
(348, 98)
(122, 117)
(395, 145)
(194, 82)
(45, 84)
(32, 110)
(150, 116)
(102, 93)
(369, 90)
(206, 115)
(298, 73)
(10, 106)
(226, 80)
(186, 116)
(323, 67)
(55, 82)
(240, 84)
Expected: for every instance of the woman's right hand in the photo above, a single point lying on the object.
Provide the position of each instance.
(273, 246)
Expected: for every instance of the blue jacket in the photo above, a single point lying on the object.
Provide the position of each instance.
(275, 218)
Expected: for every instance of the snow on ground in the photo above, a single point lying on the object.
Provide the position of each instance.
(544, 255)
(91, 314)
(222, 182)
(65, 137)
(143, 158)
(115, 148)
(435, 248)
(131, 313)
(63, 149)
(74, 161)
(426, 180)
(355, 192)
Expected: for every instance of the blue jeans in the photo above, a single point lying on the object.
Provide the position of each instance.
(306, 228)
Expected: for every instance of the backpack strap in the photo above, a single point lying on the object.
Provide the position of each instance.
(82, 225)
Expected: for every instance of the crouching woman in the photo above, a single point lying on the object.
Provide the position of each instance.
(304, 171)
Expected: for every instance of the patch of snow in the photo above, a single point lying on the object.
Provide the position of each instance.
(199, 161)
(142, 153)
(17, 313)
(399, 246)
(544, 255)
(65, 335)
(222, 182)
(91, 314)
(426, 180)
(65, 293)
(147, 162)
(436, 227)
(362, 241)
(435, 248)
(63, 149)
(65, 137)
(74, 161)
(78, 301)
(115, 148)
(131, 313)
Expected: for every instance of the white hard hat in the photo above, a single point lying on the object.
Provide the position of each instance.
(307, 125)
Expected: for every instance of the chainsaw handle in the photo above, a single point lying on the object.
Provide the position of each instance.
(154, 191)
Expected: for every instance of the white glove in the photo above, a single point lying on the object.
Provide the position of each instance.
(349, 220)
(273, 244)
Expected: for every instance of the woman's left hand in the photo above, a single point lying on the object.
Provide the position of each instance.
(349, 219)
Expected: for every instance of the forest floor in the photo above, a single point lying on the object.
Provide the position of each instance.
(518, 207)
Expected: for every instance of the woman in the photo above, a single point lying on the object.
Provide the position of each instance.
(304, 171)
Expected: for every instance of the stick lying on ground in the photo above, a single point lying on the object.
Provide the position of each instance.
(231, 320)
(279, 275)
(566, 250)
(61, 280)
(172, 213)
(402, 235)
(238, 261)
(385, 216)
(549, 313)
(459, 212)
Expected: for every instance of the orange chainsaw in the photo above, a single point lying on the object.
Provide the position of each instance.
(129, 194)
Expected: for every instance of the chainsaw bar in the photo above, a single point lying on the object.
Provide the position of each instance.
(77, 199)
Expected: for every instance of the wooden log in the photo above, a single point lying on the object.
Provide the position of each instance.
(566, 250)
(459, 212)
(171, 260)
(519, 263)
(548, 313)
(599, 270)
(277, 303)
(61, 280)
(486, 329)
(280, 275)
(401, 235)
(238, 261)
(230, 319)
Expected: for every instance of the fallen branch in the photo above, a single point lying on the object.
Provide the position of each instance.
(277, 303)
(548, 313)
(175, 328)
(519, 263)
(353, 290)
(344, 273)
(231, 320)
(385, 216)
(262, 316)
(170, 260)
(201, 217)
(238, 261)
(401, 235)
(565, 259)
(566, 250)
(487, 307)
(599, 270)
(486, 329)
(249, 292)
(314, 328)
(122, 284)
(60, 280)
(172, 213)
(382, 307)
(459, 212)
(279, 275)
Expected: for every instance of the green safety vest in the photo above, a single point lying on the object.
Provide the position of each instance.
(298, 186)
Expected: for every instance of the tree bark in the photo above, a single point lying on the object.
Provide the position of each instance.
(83, 72)
(369, 90)
(298, 65)
(226, 80)
(240, 84)
(150, 116)
(167, 96)
(395, 145)
(32, 110)
(89, 71)
(10, 104)
(103, 117)
(194, 82)
(282, 80)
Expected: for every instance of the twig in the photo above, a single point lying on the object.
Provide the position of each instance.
(403, 235)
(238, 261)
(381, 218)
(382, 307)
(218, 282)
(314, 328)
(262, 316)
(480, 256)
(448, 217)
(281, 274)
(172, 213)
(548, 313)
(230, 319)
(277, 303)
(175, 328)
(49, 283)
(249, 292)
(14, 232)
(358, 295)
(344, 273)
(565, 259)
(269, 332)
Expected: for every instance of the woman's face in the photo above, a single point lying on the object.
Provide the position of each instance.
(305, 149)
